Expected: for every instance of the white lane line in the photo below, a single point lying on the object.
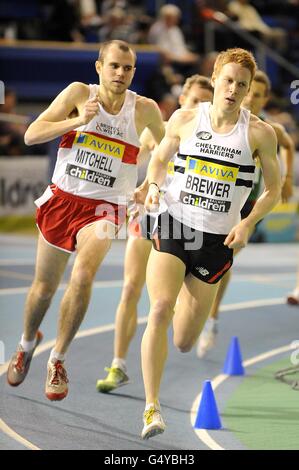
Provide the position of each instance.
(263, 277)
(17, 262)
(42, 348)
(203, 434)
(15, 275)
(14, 435)
(252, 303)
(31, 262)
(97, 284)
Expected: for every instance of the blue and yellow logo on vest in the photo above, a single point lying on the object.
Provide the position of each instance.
(82, 139)
(99, 144)
(212, 170)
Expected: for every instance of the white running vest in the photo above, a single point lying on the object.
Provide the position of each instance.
(213, 176)
(98, 160)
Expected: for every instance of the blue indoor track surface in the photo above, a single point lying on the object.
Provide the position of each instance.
(254, 310)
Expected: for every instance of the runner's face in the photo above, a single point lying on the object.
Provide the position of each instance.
(255, 99)
(117, 71)
(195, 95)
(230, 87)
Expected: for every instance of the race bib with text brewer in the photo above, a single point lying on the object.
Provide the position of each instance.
(208, 184)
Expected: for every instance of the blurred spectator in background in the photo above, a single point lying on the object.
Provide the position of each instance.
(142, 27)
(164, 81)
(218, 12)
(207, 63)
(276, 110)
(12, 129)
(167, 35)
(117, 25)
(107, 5)
(250, 20)
(62, 20)
(216, 5)
(90, 20)
(168, 104)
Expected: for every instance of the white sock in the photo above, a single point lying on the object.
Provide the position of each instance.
(119, 363)
(210, 323)
(155, 405)
(55, 356)
(296, 293)
(27, 345)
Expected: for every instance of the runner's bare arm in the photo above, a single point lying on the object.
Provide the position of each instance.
(157, 168)
(287, 150)
(53, 121)
(267, 151)
(147, 145)
(154, 120)
(266, 145)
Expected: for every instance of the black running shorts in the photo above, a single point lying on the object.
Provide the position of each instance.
(142, 227)
(204, 254)
(146, 226)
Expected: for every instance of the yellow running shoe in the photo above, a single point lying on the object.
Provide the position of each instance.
(153, 423)
(115, 378)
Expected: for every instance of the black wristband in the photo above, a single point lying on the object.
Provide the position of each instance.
(155, 185)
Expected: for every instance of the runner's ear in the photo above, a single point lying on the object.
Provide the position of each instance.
(213, 78)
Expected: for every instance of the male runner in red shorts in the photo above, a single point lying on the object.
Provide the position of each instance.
(94, 177)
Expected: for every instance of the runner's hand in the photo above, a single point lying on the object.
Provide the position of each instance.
(90, 109)
(238, 236)
(133, 211)
(287, 190)
(152, 199)
(140, 193)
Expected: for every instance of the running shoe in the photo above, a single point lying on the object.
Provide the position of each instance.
(20, 362)
(56, 384)
(153, 423)
(116, 378)
(207, 339)
(293, 298)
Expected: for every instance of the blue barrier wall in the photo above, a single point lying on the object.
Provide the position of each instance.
(39, 73)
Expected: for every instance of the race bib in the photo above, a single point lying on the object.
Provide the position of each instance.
(97, 160)
(209, 185)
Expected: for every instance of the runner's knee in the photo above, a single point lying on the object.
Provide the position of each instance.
(161, 313)
(131, 291)
(44, 290)
(82, 277)
(183, 345)
(183, 339)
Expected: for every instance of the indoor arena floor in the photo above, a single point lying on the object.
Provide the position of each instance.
(257, 411)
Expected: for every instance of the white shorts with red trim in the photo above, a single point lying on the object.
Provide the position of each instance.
(60, 216)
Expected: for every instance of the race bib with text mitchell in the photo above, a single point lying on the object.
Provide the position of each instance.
(97, 160)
